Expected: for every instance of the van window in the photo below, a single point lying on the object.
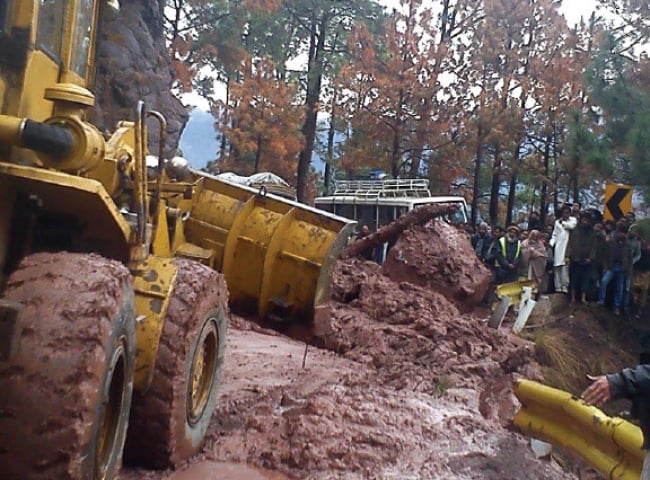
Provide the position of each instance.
(459, 217)
(386, 214)
(82, 37)
(346, 211)
(367, 216)
(51, 17)
(328, 207)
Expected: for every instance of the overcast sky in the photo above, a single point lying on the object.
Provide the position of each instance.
(571, 9)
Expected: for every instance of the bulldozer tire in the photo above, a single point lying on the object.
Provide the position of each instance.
(169, 421)
(66, 394)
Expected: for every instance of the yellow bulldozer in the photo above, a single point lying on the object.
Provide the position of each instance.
(115, 275)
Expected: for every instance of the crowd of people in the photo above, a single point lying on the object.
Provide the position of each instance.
(574, 252)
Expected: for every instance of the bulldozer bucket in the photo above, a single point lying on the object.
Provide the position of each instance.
(277, 255)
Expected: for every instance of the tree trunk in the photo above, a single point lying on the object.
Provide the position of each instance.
(314, 81)
(258, 154)
(494, 190)
(395, 160)
(556, 181)
(512, 192)
(417, 216)
(543, 202)
(477, 173)
(416, 160)
(512, 188)
(330, 146)
(395, 153)
(224, 140)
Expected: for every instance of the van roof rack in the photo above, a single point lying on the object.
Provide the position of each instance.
(399, 187)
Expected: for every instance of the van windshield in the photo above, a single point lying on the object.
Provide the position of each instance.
(458, 218)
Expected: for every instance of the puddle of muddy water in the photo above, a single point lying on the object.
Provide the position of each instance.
(208, 470)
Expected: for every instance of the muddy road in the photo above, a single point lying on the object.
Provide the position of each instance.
(396, 382)
(337, 419)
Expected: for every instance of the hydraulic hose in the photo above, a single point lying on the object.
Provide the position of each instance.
(52, 140)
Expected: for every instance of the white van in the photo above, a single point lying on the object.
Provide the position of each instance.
(378, 202)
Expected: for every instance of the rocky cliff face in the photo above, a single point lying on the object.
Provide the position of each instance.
(132, 64)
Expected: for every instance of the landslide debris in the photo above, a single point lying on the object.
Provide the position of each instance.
(439, 257)
(422, 391)
(403, 317)
(403, 386)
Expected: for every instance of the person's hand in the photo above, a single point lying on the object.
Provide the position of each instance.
(598, 392)
(566, 260)
(511, 266)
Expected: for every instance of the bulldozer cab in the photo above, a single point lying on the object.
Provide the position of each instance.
(44, 42)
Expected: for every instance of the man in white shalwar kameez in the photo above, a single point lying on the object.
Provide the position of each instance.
(560, 241)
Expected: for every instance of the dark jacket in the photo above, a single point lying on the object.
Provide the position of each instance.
(535, 224)
(582, 245)
(508, 253)
(634, 384)
(481, 245)
(608, 259)
(643, 265)
(600, 246)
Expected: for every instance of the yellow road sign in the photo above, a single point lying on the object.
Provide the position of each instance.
(618, 201)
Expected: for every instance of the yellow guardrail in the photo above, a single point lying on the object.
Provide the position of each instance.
(513, 289)
(611, 445)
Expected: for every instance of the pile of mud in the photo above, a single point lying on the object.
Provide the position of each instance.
(414, 336)
(404, 318)
(439, 257)
(404, 386)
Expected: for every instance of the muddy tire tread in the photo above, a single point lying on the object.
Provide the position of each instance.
(44, 414)
(151, 441)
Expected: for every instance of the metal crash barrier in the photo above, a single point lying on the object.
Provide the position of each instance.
(611, 445)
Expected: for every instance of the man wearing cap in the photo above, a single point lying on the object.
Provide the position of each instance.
(560, 241)
(508, 256)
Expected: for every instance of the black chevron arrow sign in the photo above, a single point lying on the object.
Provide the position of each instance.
(614, 202)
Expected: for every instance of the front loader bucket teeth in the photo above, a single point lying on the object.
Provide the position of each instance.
(277, 255)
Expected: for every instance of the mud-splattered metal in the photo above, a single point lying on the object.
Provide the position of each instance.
(153, 280)
(611, 445)
(277, 255)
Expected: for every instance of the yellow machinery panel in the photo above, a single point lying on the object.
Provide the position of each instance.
(153, 281)
(34, 106)
(610, 444)
(277, 255)
(104, 225)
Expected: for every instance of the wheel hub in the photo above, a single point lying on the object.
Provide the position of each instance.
(202, 372)
(113, 401)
